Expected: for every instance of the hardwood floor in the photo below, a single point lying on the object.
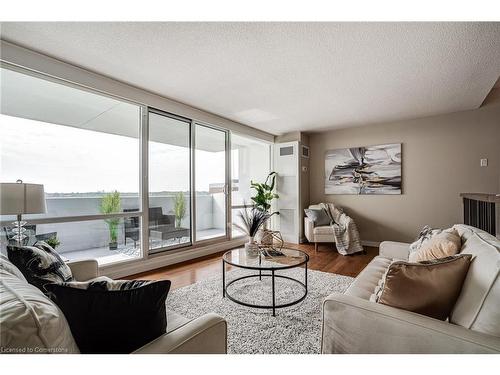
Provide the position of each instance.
(327, 259)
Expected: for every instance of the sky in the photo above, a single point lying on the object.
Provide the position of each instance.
(67, 159)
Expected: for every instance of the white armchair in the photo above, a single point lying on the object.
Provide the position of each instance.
(318, 234)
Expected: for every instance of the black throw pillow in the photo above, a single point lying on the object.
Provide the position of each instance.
(113, 317)
(318, 216)
(40, 264)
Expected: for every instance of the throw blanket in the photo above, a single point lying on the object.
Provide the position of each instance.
(345, 231)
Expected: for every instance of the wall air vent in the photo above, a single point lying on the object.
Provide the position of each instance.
(285, 151)
(305, 152)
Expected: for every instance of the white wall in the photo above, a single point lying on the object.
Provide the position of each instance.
(441, 157)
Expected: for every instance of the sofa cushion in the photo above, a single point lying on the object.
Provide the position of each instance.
(324, 230)
(367, 281)
(442, 245)
(113, 316)
(30, 322)
(429, 288)
(477, 305)
(40, 264)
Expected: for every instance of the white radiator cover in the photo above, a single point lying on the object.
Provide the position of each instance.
(287, 165)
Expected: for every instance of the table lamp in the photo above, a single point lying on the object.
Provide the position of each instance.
(19, 199)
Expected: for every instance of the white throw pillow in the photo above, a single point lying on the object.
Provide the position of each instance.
(30, 322)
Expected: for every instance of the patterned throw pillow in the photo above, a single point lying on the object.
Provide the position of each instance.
(424, 236)
(40, 264)
(112, 316)
(442, 245)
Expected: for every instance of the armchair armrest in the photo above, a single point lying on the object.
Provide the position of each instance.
(204, 335)
(354, 325)
(395, 250)
(84, 270)
(309, 229)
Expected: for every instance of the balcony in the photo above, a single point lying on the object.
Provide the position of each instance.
(89, 239)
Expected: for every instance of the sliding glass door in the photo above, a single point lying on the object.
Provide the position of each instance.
(169, 181)
(210, 145)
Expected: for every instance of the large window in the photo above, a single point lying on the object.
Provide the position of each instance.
(84, 149)
(109, 166)
(250, 161)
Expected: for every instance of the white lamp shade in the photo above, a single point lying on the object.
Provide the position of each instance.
(21, 198)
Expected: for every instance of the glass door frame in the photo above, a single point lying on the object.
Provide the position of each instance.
(227, 184)
(145, 181)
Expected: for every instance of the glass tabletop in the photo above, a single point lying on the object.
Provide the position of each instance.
(290, 258)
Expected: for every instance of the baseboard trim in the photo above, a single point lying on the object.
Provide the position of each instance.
(144, 265)
(371, 243)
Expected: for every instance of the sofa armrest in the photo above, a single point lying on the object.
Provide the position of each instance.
(309, 229)
(355, 325)
(394, 250)
(84, 270)
(204, 335)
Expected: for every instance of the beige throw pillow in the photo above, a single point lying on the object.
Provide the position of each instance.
(428, 288)
(442, 245)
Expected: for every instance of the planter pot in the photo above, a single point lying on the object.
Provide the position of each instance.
(113, 245)
(252, 249)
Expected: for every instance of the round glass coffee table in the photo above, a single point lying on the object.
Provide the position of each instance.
(266, 266)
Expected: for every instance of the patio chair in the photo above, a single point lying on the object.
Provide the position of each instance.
(131, 225)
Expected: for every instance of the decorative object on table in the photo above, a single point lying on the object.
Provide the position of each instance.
(364, 170)
(40, 264)
(344, 230)
(262, 200)
(112, 316)
(179, 208)
(20, 199)
(272, 238)
(271, 252)
(110, 204)
(251, 221)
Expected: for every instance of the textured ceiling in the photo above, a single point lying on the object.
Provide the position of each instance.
(281, 77)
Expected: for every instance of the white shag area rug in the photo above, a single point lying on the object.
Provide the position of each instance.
(294, 330)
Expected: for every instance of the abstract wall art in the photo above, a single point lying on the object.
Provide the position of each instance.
(364, 170)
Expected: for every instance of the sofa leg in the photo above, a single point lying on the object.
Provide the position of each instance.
(316, 247)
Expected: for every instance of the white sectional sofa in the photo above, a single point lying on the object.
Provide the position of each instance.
(31, 323)
(353, 324)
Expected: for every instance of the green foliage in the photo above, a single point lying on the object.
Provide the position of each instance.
(252, 219)
(110, 204)
(179, 208)
(264, 192)
(53, 242)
